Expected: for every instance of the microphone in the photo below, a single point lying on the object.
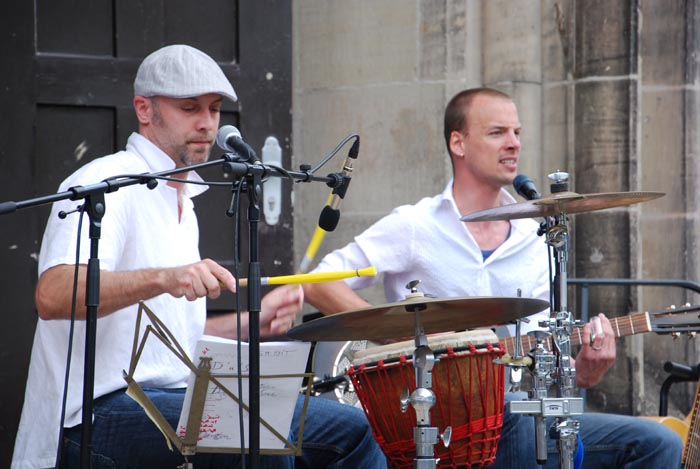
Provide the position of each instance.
(330, 214)
(229, 138)
(525, 187)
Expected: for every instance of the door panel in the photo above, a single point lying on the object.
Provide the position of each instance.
(66, 95)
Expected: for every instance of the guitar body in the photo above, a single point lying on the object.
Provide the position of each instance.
(691, 450)
(681, 427)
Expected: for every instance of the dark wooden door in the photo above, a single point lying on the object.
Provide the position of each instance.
(66, 92)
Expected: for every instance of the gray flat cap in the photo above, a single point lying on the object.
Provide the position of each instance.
(181, 71)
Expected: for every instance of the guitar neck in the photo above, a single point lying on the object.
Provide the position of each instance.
(637, 323)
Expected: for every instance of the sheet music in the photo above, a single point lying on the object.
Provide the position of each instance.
(220, 425)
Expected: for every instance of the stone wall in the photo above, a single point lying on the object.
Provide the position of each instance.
(606, 89)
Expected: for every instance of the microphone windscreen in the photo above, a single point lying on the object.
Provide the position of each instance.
(524, 186)
(329, 218)
(224, 134)
(520, 181)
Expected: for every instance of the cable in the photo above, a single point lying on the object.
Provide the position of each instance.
(332, 154)
(71, 329)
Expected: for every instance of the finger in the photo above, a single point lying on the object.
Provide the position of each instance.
(217, 277)
(597, 333)
(288, 295)
(287, 313)
(607, 326)
(280, 325)
(300, 300)
(196, 290)
(586, 335)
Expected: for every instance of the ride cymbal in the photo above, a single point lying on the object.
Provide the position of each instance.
(398, 320)
(561, 203)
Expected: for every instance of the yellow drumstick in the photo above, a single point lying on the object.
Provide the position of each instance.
(312, 278)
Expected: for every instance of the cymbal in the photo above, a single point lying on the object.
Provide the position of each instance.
(397, 320)
(561, 203)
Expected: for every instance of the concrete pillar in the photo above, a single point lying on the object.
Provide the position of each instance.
(668, 162)
(512, 63)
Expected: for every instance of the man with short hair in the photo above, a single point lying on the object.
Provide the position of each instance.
(149, 251)
(428, 242)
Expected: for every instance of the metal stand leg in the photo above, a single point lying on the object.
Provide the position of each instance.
(423, 398)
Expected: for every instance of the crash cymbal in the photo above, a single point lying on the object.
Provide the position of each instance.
(561, 203)
(397, 320)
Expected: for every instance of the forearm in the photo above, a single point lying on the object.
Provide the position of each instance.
(333, 297)
(117, 290)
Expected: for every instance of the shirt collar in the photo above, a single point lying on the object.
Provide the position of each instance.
(521, 225)
(448, 196)
(158, 161)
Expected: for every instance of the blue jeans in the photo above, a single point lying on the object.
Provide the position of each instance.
(335, 436)
(609, 441)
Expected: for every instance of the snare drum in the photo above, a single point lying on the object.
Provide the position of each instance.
(468, 388)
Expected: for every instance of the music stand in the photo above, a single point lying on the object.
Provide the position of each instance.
(203, 377)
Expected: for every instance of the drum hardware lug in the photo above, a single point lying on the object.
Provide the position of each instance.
(517, 362)
(425, 439)
(422, 400)
(516, 378)
(446, 436)
(405, 393)
(423, 363)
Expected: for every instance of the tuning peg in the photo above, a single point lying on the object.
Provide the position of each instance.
(675, 335)
(692, 334)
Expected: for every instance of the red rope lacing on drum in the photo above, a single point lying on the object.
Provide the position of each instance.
(475, 385)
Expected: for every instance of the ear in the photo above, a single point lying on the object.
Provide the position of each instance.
(144, 109)
(456, 141)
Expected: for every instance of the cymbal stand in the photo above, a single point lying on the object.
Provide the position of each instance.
(423, 398)
(517, 362)
(565, 429)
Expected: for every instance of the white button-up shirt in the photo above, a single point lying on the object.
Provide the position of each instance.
(428, 242)
(140, 229)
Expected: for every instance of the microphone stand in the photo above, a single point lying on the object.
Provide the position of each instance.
(95, 206)
(253, 174)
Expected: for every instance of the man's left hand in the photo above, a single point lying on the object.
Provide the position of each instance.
(597, 352)
(279, 309)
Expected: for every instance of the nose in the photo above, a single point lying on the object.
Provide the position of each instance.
(208, 120)
(513, 140)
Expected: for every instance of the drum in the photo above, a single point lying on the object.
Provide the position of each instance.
(468, 388)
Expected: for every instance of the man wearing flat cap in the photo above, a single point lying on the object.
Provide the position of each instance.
(149, 251)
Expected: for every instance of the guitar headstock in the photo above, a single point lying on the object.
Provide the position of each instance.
(685, 319)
